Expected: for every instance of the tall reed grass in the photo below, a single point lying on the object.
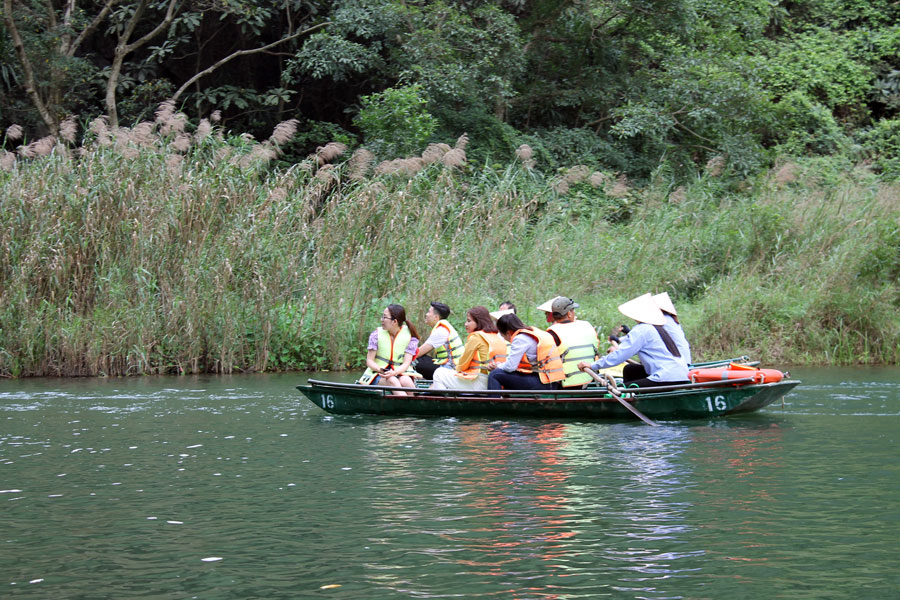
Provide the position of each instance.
(168, 248)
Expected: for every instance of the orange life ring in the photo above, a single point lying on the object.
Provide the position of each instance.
(734, 371)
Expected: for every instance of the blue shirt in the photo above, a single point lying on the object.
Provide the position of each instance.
(521, 345)
(644, 340)
(677, 334)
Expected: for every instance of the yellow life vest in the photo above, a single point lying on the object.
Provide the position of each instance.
(577, 342)
(449, 353)
(549, 366)
(390, 352)
(478, 364)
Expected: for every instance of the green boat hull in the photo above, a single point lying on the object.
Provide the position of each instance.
(693, 403)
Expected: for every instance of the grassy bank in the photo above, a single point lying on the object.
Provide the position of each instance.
(156, 251)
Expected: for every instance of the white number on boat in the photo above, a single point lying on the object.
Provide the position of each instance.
(717, 403)
(328, 401)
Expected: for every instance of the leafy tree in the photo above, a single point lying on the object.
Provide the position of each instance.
(396, 122)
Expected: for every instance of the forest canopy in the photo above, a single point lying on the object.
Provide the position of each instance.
(624, 85)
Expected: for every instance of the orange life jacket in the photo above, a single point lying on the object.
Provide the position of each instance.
(549, 366)
(478, 364)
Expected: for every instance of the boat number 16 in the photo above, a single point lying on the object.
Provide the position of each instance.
(328, 401)
(717, 403)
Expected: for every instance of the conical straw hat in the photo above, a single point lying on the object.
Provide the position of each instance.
(643, 310)
(665, 303)
(548, 305)
(499, 313)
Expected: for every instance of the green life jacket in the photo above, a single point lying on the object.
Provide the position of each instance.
(390, 352)
(577, 342)
(452, 350)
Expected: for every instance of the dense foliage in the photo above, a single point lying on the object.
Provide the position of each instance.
(174, 248)
(623, 85)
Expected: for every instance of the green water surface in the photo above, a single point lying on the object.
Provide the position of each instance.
(238, 487)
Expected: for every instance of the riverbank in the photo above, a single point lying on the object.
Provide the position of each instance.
(152, 251)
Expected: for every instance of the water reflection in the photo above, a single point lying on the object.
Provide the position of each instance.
(530, 510)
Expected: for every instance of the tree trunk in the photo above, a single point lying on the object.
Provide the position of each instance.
(30, 85)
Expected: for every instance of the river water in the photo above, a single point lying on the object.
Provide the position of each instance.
(238, 487)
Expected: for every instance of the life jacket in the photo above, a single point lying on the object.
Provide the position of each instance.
(390, 352)
(549, 366)
(449, 353)
(478, 364)
(577, 342)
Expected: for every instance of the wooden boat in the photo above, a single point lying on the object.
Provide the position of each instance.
(688, 401)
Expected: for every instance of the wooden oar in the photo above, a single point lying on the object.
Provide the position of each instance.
(614, 391)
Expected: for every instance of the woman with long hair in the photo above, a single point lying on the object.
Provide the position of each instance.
(483, 345)
(533, 362)
(391, 350)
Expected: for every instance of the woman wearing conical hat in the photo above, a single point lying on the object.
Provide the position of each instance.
(661, 360)
(673, 326)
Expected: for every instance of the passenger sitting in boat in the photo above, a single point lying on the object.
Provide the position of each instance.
(661, 361)
(391, 350)
(576, 339)
(673, 326)
(508, 306)
(444, 343)
(483, 345)
(533, 362)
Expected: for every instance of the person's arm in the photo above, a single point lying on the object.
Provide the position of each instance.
(370, 362)
(437, 338)
(424, 349)
(470, 352)
(628, 347)
(516, 351)
(371, 351)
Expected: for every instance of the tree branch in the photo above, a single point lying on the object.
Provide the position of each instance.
(239, 53)
(30, 86)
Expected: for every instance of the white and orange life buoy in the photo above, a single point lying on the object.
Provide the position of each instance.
(735, 371)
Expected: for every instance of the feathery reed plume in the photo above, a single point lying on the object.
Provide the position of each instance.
(786, 174)
(462, 142)
(277, 195)
(679, 195)
(14, 133)
(360, 162)
(27, 151)
(248, 137)
(7, 161)
(434, 153)
(400, 166)
(182, 143)
(620, 190)
(577, 174)
(142, 134)
(715, 166)
(165, 111)
(456, 157)
(173, 163)
(44, 146)
(284, 131)
(100, 128)
(130, 153)
(203, 130)
(326, 174)
(597, 179)
(223, 153)
(561, 187)
(68, 129)
(329, 152)
(524, 152)
(216, 116)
